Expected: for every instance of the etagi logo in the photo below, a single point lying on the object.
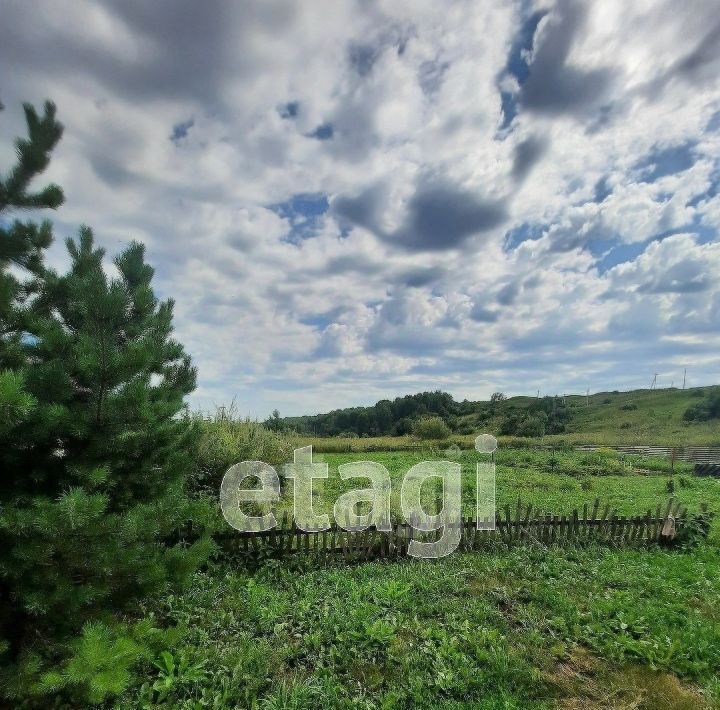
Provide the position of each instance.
(303, 471)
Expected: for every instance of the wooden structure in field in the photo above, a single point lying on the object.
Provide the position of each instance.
(593, 524)
(707, 469)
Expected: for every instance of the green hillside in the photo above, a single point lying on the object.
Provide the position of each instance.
(610, 418)
(638, 417)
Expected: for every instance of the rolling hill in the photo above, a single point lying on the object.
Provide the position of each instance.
(634, 417)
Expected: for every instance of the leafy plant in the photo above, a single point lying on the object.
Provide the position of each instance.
(431, 428)
(175, 672)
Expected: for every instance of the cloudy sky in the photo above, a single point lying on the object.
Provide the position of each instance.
(356, 200)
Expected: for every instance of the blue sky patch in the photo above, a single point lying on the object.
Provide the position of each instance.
(710, 192)
(517, 65)
(289, 110)
(616, 253)
(714, 123)
(602, 189)
(304, 212)
(181, 130)
(522, 233)
(509, 107)
(324, 132)
(667, 161)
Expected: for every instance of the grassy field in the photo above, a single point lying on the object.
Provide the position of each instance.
(526, 626)
(552, 481)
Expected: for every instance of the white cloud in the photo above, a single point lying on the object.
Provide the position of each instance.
(412, 92)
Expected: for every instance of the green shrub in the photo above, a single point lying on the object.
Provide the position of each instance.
(428, 428)
(630, 407)
(533, 426)
(225, 441)
(704, 411)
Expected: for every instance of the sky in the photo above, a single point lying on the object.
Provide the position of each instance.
(354, 200)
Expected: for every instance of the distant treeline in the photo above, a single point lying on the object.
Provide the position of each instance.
(385, 418)
(397, 417)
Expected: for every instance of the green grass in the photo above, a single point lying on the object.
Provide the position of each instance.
(657, 419)
(526, 626)
(552, 481)
(519, 628)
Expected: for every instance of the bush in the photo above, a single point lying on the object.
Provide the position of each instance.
(225, 441)
(430, 428)
(509, 425)
(631, 407)
(532, 426)
(704, 411)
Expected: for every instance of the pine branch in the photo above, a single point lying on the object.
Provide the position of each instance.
(33, 155)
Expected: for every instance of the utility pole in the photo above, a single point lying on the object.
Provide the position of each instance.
(587, 398)
(654, 382)
(684, 376)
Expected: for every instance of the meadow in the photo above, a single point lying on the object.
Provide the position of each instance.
(513, 626)
(552, 481)
(116, 590)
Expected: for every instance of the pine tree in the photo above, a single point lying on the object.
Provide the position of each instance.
(21, 248)
(93, 514)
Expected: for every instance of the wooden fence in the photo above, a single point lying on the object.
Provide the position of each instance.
(697, 454)
(598, 523)
(707, 469)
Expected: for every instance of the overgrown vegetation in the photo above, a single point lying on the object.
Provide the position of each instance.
(706, 410)
(225, 440)
(517, 627)
(429, 428)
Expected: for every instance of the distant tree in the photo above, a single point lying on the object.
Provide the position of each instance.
(274, 422)
(510, 423)
(403, 426)
(557, 413)
(430, 428)
(705, 410)
(497, 397)
(383, 417)
(534, 425)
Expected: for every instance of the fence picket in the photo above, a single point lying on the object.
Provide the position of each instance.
(524, 523)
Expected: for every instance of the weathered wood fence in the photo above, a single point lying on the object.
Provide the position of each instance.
(597, 523)
(698, 454)
(707, 469)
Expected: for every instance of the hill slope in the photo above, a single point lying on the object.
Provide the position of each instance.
(634, 417)
(609, 418)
